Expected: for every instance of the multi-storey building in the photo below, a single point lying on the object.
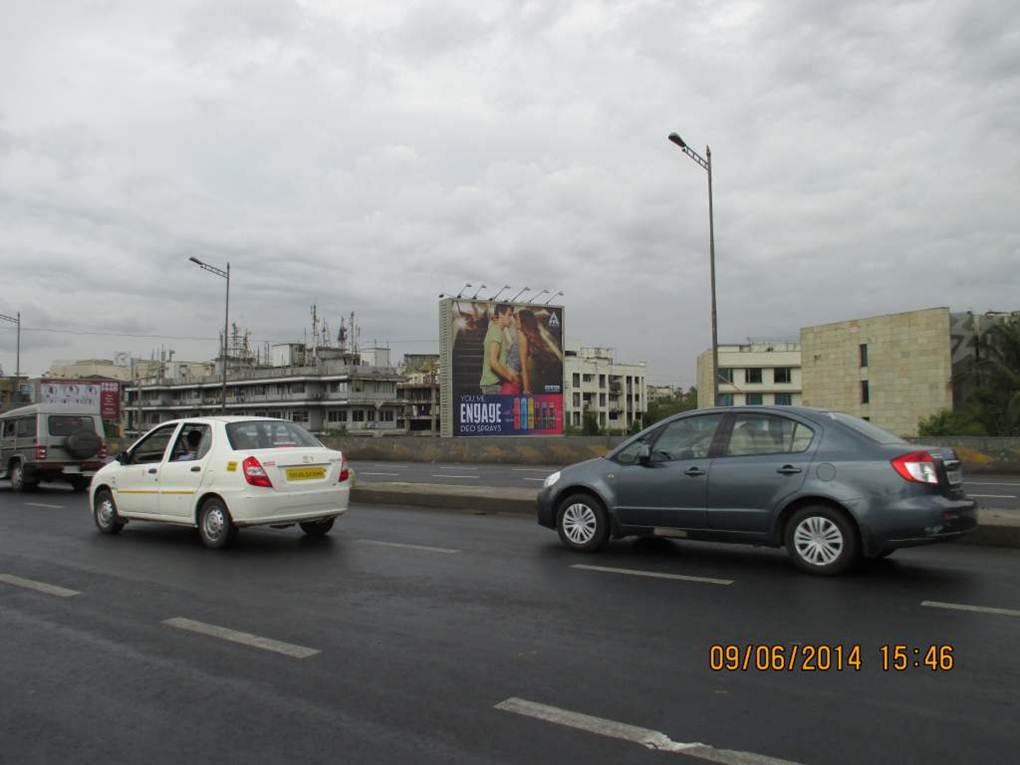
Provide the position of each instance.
(333, 394)
(420, 392)
(760, 373)
(594, 382)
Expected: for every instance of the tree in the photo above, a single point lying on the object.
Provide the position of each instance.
(995, 400)
(950, 423)
(665, 407)
(591, 425)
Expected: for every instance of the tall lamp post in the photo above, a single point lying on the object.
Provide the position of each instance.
(226, 318)
(706, 163)
(15, 320)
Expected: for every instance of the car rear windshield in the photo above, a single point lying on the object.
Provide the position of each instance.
(66, 424)
(866, 429)
(268, 434)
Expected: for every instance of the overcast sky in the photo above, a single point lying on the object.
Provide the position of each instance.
(368, 156)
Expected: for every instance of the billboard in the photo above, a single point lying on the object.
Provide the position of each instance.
(502, 368)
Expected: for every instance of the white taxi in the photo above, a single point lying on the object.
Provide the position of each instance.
(222, 474)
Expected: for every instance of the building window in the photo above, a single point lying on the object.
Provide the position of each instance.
(386, 415)
(358, 415)
(754, 399)
(863, 350)
(589, 378)
(726, 374)
(602, 399)
(371, 415)
(299, 415)
(782, 375)
(784, 399)
(602, 381)
(337, 415)
(577, 401)
(725, 399)
(753, 375)
(865, 392)
(577, 379)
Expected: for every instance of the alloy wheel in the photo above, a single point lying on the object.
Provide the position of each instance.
(579, 523)
(818, 540)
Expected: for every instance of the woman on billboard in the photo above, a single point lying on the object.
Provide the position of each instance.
(496, 347)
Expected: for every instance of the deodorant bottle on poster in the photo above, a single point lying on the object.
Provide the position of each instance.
(522, 407)
(517, 414)
(531, 414)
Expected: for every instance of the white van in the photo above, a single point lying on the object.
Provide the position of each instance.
(50, 442)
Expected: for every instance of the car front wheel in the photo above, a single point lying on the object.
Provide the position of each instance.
(18, 482)
(820, 540)
(583, 523)
(214, 524)
(104, 513)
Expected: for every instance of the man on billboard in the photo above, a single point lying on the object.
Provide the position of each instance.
(496, 348)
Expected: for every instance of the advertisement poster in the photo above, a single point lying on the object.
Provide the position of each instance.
(88, 396)
(507, 369)
(109, 401)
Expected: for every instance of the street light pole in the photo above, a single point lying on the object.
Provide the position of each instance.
(706, 164)
(226, 318)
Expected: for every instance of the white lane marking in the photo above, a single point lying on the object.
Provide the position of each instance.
(455, 467)
(426, 548)
(989, 483)
(995, 496)
(654, 574)
(965, 607)
(31, 584)
(245, 638)
(447, 475)
(42, 504)
(526, 478)
(533, 470)
(366, 472)
(387, 465)
(650, 739)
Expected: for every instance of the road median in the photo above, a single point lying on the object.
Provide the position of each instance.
(996, 528)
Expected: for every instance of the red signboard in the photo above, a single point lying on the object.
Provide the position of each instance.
(109, 401)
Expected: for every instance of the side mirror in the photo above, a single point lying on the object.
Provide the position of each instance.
(644, 454)
(123, 458)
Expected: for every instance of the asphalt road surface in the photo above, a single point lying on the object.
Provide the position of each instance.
(998, 491)
(431, 636)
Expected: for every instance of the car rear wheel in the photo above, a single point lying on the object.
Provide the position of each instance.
(583, 523)
(17, 475)
(820, 540)
(104, 513)
(79, 483)
(214, 524)
(317, 528)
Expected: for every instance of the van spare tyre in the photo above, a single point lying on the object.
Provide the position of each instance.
(83, 444)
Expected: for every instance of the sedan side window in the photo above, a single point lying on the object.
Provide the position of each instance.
(192, 444)
(151, 448)
(689, 438)
(765, 434)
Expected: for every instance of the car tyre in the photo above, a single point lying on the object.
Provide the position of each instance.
(317, 528)
(215, 526)
(821, 540)
(17, 476)
(104, 513)
(79, 484)
(582, 523)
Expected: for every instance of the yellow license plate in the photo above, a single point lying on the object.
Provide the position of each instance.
(306, 474)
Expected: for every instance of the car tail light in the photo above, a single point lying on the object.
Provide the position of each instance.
(918, 467)
(40, 452)
(255, 474)
(344, 472)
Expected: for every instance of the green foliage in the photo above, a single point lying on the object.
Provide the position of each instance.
(590, 425)
(665, 407)
(950, 423)
(990, 388)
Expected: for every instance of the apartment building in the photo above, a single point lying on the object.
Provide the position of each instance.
(753, 374)
(615, 392)
(420, 392)
(323, 395)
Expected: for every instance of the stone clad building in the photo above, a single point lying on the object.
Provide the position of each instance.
(893, 370)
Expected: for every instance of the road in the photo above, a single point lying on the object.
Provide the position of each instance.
(433, 636)
(998, 491)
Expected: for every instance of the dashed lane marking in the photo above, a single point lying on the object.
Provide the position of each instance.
(244, 638)
(43, 504)
(653, 574)
(31, 584)
(965, 607)
(650, 739)
(425, 548)
(448, 475)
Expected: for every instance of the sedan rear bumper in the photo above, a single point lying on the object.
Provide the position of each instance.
(261, 507)
(923, 520)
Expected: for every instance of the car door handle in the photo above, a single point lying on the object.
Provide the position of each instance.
(196, 469)
(788, 470)
(152, 471)
(694, 472)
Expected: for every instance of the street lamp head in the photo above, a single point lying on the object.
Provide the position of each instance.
(193, 259)
(677, 140)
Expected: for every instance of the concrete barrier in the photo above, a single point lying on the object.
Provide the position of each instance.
(996, 528)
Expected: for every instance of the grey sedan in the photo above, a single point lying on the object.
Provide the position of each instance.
(829, 487)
